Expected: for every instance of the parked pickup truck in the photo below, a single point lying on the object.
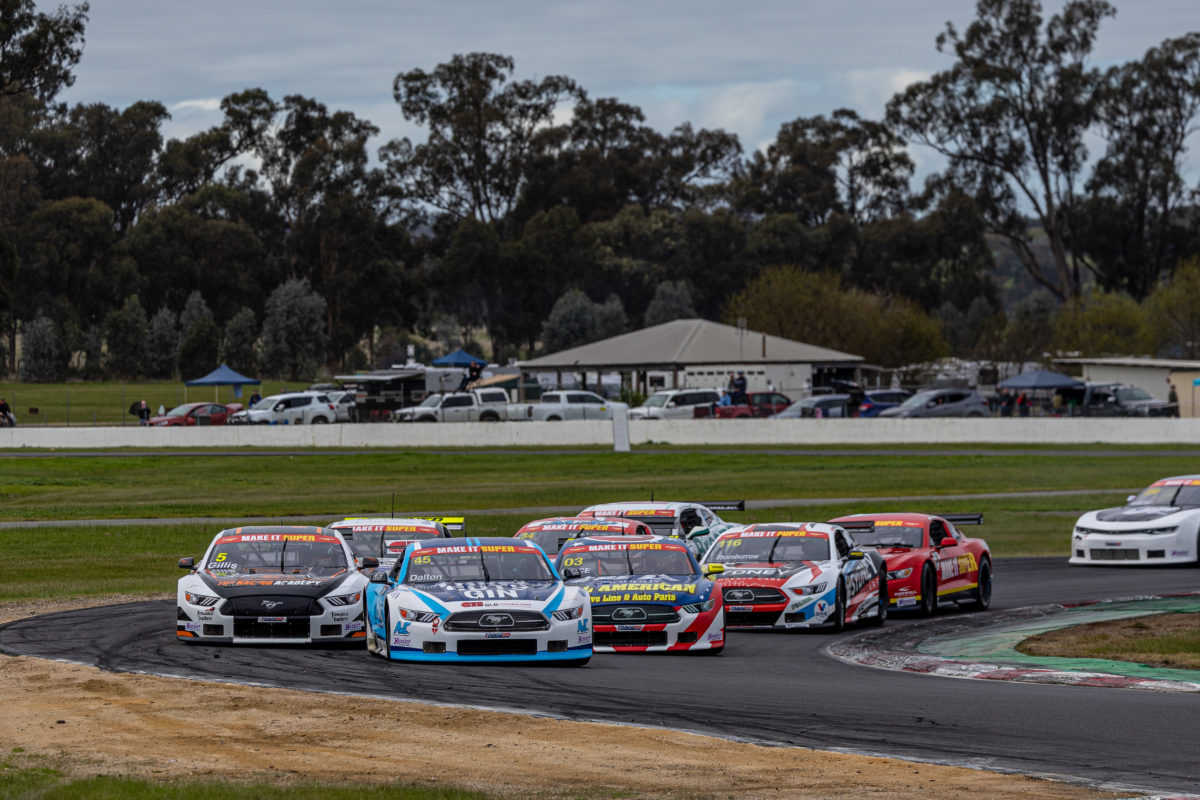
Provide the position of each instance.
(563, 405)
(478, 405)
(1115, 400)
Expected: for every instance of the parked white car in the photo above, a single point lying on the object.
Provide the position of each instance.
(476, 405)
(674, 404)
(344, 405)
(293, 408)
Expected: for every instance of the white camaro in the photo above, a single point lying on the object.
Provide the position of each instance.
(1157, 526)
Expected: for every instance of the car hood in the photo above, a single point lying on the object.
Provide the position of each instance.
(459, 591)
(1135, 513)
(772, 574)
(675, 589)
(237, 585)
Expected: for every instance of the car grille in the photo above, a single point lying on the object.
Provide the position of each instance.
(758, 595)
(271, 606)
(633, 614)
(251, 628)
(497, 647)
(735, 618)
(1114, 555)
(630, 638)
(474, 621)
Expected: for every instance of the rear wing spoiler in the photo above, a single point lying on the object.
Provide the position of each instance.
(971, 518)
(721, 505)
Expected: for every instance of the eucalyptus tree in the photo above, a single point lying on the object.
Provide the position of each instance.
(1011, 115)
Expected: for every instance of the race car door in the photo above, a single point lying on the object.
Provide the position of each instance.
(956, 567)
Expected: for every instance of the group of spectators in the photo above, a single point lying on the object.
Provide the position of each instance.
(734, 393)
(1006, 402)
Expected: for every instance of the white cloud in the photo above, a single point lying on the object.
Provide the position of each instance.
(210, 104)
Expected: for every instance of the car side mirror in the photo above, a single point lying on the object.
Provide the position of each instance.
(949, 541)
(187, 563)
(570, 573)
(1131, 498)
(279, 407)
(379, 577)
(856, 555)
(370, 562)
(714, 569)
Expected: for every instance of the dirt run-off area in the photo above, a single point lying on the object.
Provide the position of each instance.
(94, 722)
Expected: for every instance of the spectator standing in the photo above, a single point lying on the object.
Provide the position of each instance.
(254, 398)
(1023, 405)
(739, 389)
(1007, 401)
(6, 413)
(1173, 398)
(143, 413)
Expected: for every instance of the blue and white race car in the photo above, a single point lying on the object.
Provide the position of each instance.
(477, 600)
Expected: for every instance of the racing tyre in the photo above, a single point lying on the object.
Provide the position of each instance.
(929, 598)
(839, 611)
(387, 632)
(882, 612)
(983, 593)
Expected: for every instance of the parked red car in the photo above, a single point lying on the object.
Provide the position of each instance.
(197, 414)
(762, 404)
(928, 560)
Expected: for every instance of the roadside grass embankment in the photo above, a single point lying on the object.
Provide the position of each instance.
(1162, 640)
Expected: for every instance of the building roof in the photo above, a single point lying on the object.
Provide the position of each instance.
(685, 343)
(1133, 361)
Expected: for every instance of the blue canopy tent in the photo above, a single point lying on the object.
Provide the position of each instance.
(224, 376)
(1039, 379)
(459, 358)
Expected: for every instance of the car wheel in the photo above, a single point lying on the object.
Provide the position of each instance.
(983, 592)
(320, 421)
(839, 610)
(882, 612)
(929, 599)
(426, 419)
(387, 630)
(553, 419)
(975, 414)
(489, 418)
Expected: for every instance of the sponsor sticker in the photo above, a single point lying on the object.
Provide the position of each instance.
(906, 601)
(739, 608)
(340, 616)
(272, 619)
(352, 626)
(497, 635)
(584, 638)
(630, 627)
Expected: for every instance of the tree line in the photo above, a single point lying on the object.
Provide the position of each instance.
(279, 242)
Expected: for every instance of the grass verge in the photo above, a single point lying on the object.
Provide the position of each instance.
(1162, 640)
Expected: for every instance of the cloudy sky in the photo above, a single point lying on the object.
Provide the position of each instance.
(744, 67)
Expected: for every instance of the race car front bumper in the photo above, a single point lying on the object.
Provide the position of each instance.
(1096, 546)
(441, 641)
(209, 625)
(666, 629)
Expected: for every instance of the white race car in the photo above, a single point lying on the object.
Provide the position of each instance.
(385, 538)
(272, 584)
(1158, 526)
(477, 600)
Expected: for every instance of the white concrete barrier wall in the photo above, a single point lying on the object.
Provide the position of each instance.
(807, 432)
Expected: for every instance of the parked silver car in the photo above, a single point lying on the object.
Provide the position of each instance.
(674, 404)
(941, 403)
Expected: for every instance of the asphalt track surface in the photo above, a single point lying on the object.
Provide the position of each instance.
(770, 687)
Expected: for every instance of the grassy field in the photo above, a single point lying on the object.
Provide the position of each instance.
(500, 491)
(1161, 640)
(107, 403)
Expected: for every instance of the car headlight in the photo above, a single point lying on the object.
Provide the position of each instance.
(813, 588)
(568, 613)
(696, 608)
(344, 599)
(413, 615)
(899, 574)
(201, 599)
(1158, 531)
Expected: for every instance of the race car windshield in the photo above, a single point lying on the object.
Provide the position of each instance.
(550, 541)
(433, 567)
(1180, 496)
(889, 536)
(388, 544)
(289, 557)
(770, 549)
(597, 564)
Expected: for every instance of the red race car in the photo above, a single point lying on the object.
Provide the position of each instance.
(552, 534)
(197, 414)
(928, 559)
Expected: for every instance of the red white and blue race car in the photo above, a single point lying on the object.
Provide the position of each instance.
(648, 594)
(477, 600)
(797, 575)
(384, 538)
(552, 533)
(272, 584)
(928, 560)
